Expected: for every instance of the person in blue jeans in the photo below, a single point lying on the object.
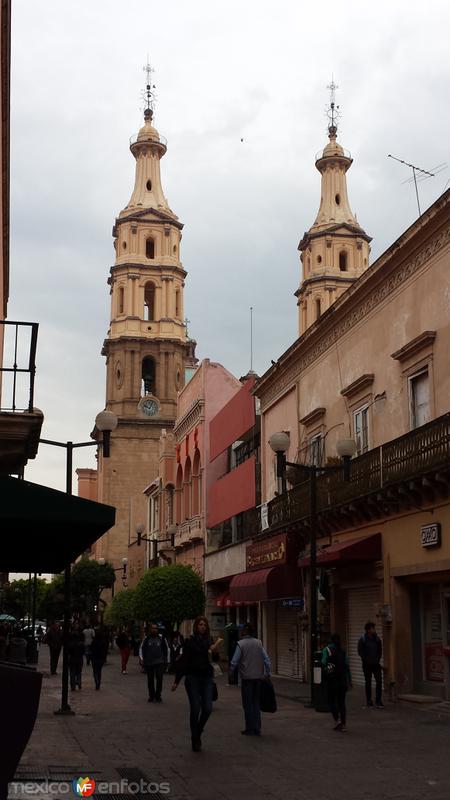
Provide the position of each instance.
(370, 651)
(253, 664)
(196, 666)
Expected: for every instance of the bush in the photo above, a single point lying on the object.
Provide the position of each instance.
(172, 593)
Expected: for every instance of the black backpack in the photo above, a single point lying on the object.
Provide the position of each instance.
(335, 669)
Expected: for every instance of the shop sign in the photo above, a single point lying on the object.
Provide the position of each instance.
(430, 535)
(264, 516)
(293, 602)
(267, 553)
(434, 662)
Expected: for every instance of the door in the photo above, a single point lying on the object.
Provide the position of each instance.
(362, 606)
(289, 647)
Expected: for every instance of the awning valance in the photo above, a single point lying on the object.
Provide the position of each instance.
(265, 584)
(348, 552)
(43, 530)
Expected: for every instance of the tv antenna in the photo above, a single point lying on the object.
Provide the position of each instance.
(419, 175)
(251, 338)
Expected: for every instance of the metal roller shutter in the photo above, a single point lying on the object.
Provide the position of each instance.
(362, 605)
(289, 643)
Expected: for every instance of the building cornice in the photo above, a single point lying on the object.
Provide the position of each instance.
(137, 217)
(185, 423)
(131, 265)
(333, 230)
(425, 339)
(406, 256)
(363, 382)
(313, 416)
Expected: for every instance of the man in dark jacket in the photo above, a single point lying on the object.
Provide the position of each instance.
(153, 656)
(370, 651)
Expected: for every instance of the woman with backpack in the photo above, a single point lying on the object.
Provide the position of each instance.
(338, 679)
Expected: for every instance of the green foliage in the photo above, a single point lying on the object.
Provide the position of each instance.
(52, 606)
(121, 610)
(172, 594)
(17, 600)
(88, 579)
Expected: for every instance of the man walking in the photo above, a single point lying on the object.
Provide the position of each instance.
(370, 651)
(88, 635)
(153, 656)
(54, 639)
(252, 662)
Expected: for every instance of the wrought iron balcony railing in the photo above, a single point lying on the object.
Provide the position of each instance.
(420, 452)
(18, 365)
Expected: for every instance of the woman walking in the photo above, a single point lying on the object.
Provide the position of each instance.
(76, 654)
(99, 651)
(338, 679)
(124, 644)
(195, 665)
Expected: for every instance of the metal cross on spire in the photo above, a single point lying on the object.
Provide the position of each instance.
(148, 94)
(332, 110)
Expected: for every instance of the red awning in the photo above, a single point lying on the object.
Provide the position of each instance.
(353, 552)
(265, 584)
(221, 600)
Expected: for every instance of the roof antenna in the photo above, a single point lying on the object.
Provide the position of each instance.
(424, 175)
(148, 94)
(251, 338)
(332, 111)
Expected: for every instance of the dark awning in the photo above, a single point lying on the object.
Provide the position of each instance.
(265, 584)
(348, 552)
(43, 530)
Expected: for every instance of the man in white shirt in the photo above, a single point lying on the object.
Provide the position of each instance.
(88, 634)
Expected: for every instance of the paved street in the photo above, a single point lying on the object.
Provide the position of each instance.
(400, 752)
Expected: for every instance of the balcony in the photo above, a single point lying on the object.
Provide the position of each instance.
(406, 473)
(190, 531)
(20, 422)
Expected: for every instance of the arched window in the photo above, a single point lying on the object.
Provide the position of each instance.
(121, 299)
(149, 375)
(178, 495)
(170, 494)
(196, 485)
(318, 308)
(149, 301)
(343, 261)
(187, 488)
(177, 303)
(150, 248)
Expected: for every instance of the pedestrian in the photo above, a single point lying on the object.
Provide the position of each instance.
(54, 639)
(175, 650)
(196, 666)
(135, 637)
(88, 633)
(153, 656)
(370, 650)
(338, 680)
(124, 644)
(252, 663)
(99, 651)
(75, 651)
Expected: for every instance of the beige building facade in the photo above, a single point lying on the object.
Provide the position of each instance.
(374, 368)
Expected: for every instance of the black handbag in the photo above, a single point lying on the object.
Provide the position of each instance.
(267, 698)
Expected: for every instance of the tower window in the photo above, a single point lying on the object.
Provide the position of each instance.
(149, 301)
(149, 186)
(343, 261)
(319, 259)
(177, 304)
(148, 375)
(338, 199)
(318, 308)
(124, 245)
(174, 248)
(121, 299)
(150, 248)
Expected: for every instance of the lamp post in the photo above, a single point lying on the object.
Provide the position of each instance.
(106, 422)
(171, 530)
(122, 569)
(346, 448)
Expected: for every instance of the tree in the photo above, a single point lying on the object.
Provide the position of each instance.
(17, 597)
(88, 579)
(172, 594)
(121, 610)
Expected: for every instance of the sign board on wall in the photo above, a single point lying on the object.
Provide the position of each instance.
(430, 535)
(268, 553)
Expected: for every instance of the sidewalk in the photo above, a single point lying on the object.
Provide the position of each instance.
(397, 753)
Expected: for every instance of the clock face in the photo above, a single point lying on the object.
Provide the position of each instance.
(149, 406)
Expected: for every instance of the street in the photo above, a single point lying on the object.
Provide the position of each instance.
(399, 752)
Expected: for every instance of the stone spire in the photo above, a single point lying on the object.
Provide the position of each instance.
(335, 250)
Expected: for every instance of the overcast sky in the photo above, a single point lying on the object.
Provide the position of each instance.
(251, 70)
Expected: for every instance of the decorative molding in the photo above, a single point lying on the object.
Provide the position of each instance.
(421, 342)
(190, 418)
(313, 416)
(363, 382)
(286, 375)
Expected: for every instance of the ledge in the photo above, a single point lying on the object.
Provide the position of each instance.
(425, 339)
(313, 416)
(363, 382)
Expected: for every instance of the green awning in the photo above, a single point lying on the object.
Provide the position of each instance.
(43, 530)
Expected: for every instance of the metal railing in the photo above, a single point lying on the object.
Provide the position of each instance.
(423, 450)
(19, 341)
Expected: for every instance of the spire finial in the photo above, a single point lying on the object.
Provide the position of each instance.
(332, 110)
(148, 93)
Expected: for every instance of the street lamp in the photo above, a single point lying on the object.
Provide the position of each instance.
(108, 422)
(122, 569)
(171, 530)
(346, 448)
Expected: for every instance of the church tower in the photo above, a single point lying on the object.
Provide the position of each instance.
(335, 250)
(147, 349)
